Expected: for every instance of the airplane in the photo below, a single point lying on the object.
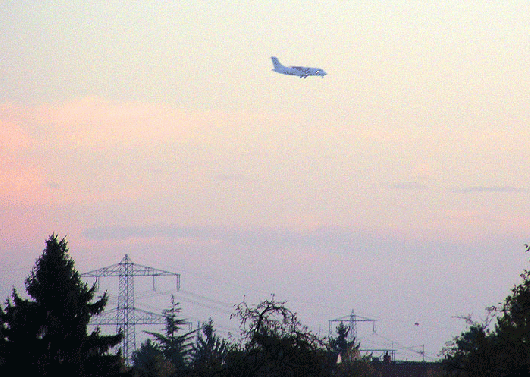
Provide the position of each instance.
(301, 72)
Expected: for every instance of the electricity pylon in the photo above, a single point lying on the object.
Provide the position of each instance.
(352, 328)
(126, 316)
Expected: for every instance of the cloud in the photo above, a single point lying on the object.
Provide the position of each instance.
(21, 180)
(490, 189)
(94, 121)
(229, 177)
(332, 239)
(12, 136)
(91, 148)
(412, 186)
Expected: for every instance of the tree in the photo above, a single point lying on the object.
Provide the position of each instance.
(472, 352)
(341, 345)
(345, 355)
(50, 332)
(503, 351)
(513, 329)
(209, 353)
(21, 329)
(275, 343)
(174, 347)
(149, 361)
(3, 339)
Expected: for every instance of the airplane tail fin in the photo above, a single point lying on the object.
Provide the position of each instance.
(276, 63)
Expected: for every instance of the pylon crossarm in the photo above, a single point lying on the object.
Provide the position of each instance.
(139, 270)
(143, 317)
(136, 316)
(105, 271)
(126, 267)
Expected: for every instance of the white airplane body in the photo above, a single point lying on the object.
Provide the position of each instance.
(301, 72)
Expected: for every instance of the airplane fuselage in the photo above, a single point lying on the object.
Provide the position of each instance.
(299, 71)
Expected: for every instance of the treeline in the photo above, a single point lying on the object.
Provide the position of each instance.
(273, 343)
(48, 335)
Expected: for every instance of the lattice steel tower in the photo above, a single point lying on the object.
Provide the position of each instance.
(126, 316)
(352, 319)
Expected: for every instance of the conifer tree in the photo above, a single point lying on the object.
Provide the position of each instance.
(49, 333)
(175, 347)
(149, 361)
(209, 352)
(340, 345)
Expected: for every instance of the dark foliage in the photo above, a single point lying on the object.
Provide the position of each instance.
(276, 344)
(149, 361)
(340, 345)
(208, 355)
(503, 351)
(49, 333)
(174, 348)
(469, 354)
(345, 357)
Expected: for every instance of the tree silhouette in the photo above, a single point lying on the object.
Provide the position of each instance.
(501, 351)
(340, 345)
(49, 333)
(209, 353)
(277, 344)
(345, 356)
(148, 361)
(173, 346)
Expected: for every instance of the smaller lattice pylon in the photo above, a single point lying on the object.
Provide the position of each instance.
(126, 316)
(352, 320)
